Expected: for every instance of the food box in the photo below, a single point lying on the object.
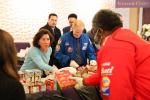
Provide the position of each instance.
(33, 76)
(22, 76)
(34, 88)
(37, 76)
(29, 76)
(50, 85)
(63, 79)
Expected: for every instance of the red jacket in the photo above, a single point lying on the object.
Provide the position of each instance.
(123, 67)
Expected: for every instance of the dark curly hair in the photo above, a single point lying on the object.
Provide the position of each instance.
(39, 34)
(72, 15)
(107, 20)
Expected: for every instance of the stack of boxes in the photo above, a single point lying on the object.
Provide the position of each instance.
(31, 80)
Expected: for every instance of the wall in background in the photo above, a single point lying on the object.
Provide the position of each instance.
(23, 18)
(146, 15)
(134, 19)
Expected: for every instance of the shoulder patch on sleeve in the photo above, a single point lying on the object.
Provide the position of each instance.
(90, 41)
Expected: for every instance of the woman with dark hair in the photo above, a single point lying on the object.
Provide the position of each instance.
(123, 60)
(38, 56)
(10, 87)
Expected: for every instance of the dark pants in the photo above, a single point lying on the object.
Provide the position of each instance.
(86, 93)
(52, 95)
(90, 93)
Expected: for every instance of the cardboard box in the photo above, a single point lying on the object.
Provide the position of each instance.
(50, 85)
(22, 76)
(63, 79)
(29, 76)
(37, 76)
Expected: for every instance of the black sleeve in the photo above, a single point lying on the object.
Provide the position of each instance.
(18, 93)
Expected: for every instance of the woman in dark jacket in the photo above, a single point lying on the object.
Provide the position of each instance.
(10, 87)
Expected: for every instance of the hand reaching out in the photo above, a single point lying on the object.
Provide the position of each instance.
(79, 82)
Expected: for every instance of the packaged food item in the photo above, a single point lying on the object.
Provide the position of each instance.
(29, 77)
(37, 76)
(63, 79)
(34, 88)
(50, 85)
(43, 87)
(34, 83)
(22, 76)
(26, 89)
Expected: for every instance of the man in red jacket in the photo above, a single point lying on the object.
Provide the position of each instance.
(123, 60)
